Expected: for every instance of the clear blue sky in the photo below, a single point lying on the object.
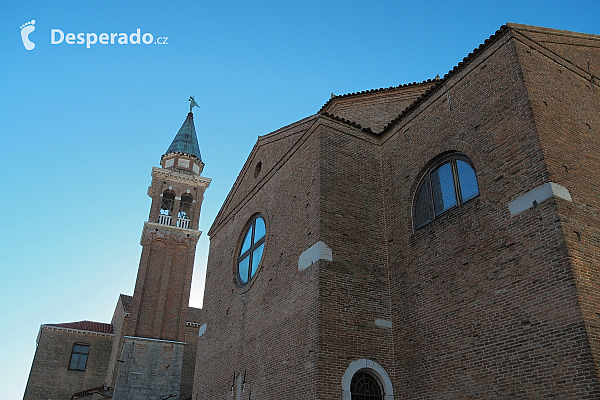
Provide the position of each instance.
(81, 128)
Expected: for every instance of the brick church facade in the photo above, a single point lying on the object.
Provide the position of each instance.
(435, 240)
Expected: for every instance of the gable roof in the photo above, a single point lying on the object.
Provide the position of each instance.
(371, 91)
(91, 326)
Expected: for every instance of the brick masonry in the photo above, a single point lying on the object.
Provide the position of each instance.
(479, 303)
(151, 348)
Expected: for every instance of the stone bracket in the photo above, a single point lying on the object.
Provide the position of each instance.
(316, 252)
(537, 195)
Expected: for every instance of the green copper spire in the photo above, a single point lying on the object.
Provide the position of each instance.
(186, 141)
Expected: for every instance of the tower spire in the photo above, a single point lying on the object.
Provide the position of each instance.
(186, 141)
(184, 151)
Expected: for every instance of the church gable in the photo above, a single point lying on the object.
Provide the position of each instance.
(267, 156)
(373, 109)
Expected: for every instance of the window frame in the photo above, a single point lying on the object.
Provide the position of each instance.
(79, 354)
(426, 179)
(249, 253)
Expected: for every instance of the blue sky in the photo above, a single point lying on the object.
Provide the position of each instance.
(82, 127)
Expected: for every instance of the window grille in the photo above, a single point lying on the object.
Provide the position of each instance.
(365, 386)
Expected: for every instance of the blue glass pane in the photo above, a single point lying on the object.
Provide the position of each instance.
(77, 348)
(85, 349)
(247, 240)
(422, 207)
(259, 230)
(468, 181)
(256, 256)
(74, 361)
(82, 362)
(243, 269)
(442, 184)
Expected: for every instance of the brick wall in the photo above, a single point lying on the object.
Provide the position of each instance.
(374, 109)
(354, 287)
(159, 306)
(485, 304)
(560, 72)
(268, 328)
(119, 321)
(189, 360)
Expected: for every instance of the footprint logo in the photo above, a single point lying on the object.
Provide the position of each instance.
(26, 29)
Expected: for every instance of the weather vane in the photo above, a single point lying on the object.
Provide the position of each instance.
(193, 103)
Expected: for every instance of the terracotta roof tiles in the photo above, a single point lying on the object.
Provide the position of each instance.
(334, 97)
(126, 301)
(458, 67)
(86, 326)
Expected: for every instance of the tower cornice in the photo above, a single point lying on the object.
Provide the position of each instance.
(174, 176)
(154, 227)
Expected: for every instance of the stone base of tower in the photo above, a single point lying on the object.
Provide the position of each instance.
(150, 369)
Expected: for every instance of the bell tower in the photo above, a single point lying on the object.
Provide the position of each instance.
(154, 339)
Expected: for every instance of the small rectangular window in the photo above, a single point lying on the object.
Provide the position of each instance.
(79, 357)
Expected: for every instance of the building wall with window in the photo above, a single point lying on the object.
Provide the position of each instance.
(149, 348)
(51, 376)
(494, 296)
(433, 240)
(481, 294)
(264, 333)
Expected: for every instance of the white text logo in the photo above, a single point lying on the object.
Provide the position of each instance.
(57, 36)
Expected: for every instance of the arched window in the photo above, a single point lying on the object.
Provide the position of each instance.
(450, 182)
(166, 206)
(185, 211)
(252, 249)
(365, 386)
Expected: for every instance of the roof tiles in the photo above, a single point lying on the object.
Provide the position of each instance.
(86, 326)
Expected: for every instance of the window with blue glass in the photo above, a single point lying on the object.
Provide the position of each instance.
(252, 248)
(79, 356)
(449, 183)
